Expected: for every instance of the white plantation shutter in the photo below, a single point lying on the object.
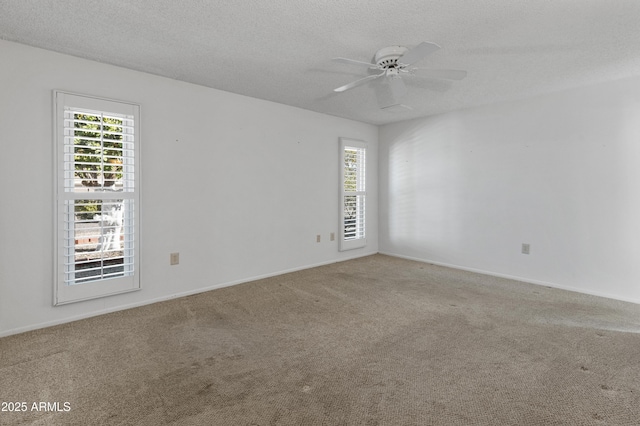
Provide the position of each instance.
(97, 165)
(352, 194)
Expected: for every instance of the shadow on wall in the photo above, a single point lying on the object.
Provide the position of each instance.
(421, 176)
(556, 172)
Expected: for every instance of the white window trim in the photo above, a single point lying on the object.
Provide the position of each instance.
(64, 293)
(359, 241)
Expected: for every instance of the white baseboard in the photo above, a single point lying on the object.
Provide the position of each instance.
(517, 278)
(46, 324)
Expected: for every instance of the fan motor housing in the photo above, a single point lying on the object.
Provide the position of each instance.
(387, 57)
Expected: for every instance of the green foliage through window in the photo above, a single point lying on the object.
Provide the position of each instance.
(98, 145)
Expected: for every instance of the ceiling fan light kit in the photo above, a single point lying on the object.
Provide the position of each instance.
(394, 61)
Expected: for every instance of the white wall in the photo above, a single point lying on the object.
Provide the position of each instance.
(239, 186)
(560, 172)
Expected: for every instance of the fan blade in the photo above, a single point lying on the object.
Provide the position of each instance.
(388, 94)
(357, 82)
(418, 53)
(398, 89)
(397, 108)
(441, 74)
(354, 62)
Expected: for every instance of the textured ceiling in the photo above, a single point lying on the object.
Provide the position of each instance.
(281, 50)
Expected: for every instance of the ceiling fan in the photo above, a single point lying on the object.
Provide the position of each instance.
(391, 63)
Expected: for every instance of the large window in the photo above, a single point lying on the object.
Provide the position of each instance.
(97, 197)
(352, 194)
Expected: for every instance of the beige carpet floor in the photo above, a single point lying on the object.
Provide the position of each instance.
(372, 341)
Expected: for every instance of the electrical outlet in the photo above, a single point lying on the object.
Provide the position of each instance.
(525, 248)
(318, 238)
(332, 236)
(174, 259)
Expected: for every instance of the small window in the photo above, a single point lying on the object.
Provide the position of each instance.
(352, 194)
(97, 197)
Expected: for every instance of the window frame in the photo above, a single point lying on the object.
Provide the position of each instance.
(64, 241)
(360, 240)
